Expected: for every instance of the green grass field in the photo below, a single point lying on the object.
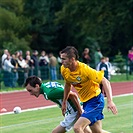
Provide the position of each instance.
(44, 120)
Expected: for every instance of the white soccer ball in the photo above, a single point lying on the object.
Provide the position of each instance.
(17, 110)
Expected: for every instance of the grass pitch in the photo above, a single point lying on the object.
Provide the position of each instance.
(44, 120)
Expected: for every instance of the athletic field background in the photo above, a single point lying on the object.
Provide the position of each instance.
(44, 120)
(35, 119)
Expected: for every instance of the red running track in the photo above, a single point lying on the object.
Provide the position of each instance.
(25, 101)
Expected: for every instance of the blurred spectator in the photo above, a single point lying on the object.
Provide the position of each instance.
(23, 70)
(103, 66)
(21, 62)
(27, 53)
(30, 63)
(14, 62)
(109, 67)
(44, 65)
(20, 52)
(4, 56)
(130, 60)
(59, 66)
(98, 55)
(17, 54)
(53, 65)
(86, 57)
(8, 75)
(34, 57)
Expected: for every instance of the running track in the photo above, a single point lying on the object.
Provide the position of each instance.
(25, 101)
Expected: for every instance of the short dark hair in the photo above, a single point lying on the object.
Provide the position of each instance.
(33, 80)
(71, 52)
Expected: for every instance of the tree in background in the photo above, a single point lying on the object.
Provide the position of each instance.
(42, 28)
(13, 25)
(52, 25)
(108, 22)
(120, 62)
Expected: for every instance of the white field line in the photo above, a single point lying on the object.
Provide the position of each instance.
(45, 120)
(32, 109)
(48, 120)
(51, 106)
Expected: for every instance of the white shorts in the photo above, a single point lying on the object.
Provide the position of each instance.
(69, 121)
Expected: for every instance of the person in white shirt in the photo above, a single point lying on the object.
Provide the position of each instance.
(4, 56)
(8, 73)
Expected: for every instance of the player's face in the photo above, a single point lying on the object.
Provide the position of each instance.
(35, 91)
(66, 62)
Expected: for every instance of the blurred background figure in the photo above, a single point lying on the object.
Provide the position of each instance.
(4, 56)
(103, 66)
(44, 66)
(130, 60)
(86, 57)
(35, 59)
(59, 67)
(8, 74)
(30, 63)
(14, 62)
(53, 67)
(109, 67)
(23, 68)
(97, 55)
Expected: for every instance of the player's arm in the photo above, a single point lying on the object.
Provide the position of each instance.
(66, 95)
(74, 98)
(108, 91)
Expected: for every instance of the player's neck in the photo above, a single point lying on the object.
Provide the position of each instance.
(74, 66)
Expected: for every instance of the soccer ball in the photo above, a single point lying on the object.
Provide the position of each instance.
(17, 110)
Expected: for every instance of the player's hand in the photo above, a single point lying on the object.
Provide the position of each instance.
(63, 108)
(111, 106)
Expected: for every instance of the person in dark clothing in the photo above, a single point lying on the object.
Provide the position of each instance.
(86, 57)
(34, 57)
(103, 66)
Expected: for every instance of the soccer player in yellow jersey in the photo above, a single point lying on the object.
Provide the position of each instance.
(86, 81)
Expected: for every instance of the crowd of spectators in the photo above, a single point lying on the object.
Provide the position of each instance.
(18, 66)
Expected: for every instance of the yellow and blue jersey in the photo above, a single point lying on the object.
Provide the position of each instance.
(85, 80)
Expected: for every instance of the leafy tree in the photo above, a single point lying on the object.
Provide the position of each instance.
(120, 61)
(52, 25)
(42, 27)
(108, 22)
(13, 26)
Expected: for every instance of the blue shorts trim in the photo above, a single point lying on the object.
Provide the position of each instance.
(93, 109)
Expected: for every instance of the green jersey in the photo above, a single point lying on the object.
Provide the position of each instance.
(54, 91)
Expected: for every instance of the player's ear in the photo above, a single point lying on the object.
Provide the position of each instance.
(72, 59)
(37, 85)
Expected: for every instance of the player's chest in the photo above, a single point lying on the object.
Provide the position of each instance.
(75, 77)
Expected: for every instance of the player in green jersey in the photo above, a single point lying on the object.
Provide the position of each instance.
(54, 91)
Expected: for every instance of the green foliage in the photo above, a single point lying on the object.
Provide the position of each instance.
(13, 28)
(105, 21)
(120, 62)
(52, 25)
(42, 27)
(119, 58)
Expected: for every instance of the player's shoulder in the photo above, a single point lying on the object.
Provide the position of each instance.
(83, 66)
(64, 70)
(53, 84)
